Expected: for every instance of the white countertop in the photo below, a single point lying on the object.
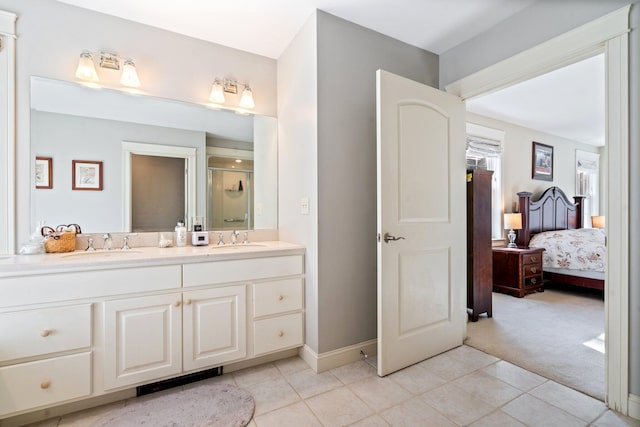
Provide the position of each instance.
(20, 265)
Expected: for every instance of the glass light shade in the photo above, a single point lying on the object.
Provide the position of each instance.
(217, 93)
(86, 69)
(247, 98)
(129, 74)
(598, 221)
(513, 221)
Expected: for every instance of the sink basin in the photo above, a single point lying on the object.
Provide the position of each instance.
(102, 254)
(239, 246)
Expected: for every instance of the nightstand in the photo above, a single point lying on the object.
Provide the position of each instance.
(517, 271)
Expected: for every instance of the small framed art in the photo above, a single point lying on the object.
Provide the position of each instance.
(44, 172)
(542, 162)
(86, 175)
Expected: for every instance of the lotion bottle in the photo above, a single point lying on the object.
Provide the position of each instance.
(181, 234)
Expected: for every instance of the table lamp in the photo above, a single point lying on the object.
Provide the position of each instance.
(512, 221)
(597, 221)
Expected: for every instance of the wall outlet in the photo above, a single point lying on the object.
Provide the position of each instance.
(304, 206)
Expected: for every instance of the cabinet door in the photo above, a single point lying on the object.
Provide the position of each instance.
(214, 326)
(143, 339)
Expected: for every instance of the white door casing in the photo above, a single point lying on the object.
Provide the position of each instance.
(421, 197)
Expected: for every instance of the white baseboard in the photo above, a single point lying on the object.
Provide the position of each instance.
(634, 406)
(335, 358)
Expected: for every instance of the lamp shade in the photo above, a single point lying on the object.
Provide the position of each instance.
(513, 221)
(247, 98)
(598, 221)
(129, 74)
(86, 69)
(217, 93)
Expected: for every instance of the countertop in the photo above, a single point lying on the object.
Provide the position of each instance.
(21, 265)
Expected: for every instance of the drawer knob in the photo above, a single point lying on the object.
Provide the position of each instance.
(534, 270)
(177, 304)
(280, 333)
(280, 297)
(187, 302)
(534, 259)
(533, 280)
(45, 384)
(45, 333)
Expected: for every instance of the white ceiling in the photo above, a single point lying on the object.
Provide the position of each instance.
(569, 103)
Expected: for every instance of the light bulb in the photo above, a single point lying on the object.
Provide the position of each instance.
(129, 74)
(86, 69)
(217, 93)
(247, 98)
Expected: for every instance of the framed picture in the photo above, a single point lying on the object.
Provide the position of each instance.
(542, 162)
(86, 175)
(44, 172)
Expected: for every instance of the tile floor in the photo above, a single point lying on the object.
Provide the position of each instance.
(461, 387)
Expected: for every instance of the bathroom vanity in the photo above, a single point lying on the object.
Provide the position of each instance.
(85, 324)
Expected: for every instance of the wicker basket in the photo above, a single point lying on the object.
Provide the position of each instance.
(60, 242)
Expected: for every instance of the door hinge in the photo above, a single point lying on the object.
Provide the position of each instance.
(379, 237)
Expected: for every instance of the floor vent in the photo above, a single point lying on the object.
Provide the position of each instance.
(178, 381)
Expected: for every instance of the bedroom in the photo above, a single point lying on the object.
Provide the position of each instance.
(511, 115)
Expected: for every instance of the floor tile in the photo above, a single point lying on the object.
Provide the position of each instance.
(580, 405)
(354, 372)
(256, 374)
(89, 416)
(307, 383)
(615, 419)
(296, 415)
(472, 357)
(514, 375)
(457, 405)
(338, 407)
(272, 395)
(372, 421)
(222, 379)
(417, 379)
(415, 412)
(447, 367)
(497, 418)
(536, 413)
(291, 365)
(380, 393)
(487, 388)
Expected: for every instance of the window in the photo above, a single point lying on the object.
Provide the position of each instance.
(484, 151)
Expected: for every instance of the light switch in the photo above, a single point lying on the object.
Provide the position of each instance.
(304, 206)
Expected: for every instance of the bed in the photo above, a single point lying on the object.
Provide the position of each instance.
(573, 255)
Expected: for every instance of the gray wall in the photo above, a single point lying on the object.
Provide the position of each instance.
(348, 57)
(51, 36)
(538, 23)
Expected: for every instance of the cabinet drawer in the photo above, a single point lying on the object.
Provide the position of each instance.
(532, 259)
(532, 270)
(278, 296)
(209, 273)
(36, 332)
(45, 382)
(277, 333)
(533, 281)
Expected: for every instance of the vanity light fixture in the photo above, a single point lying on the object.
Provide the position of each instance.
(222, 86)
(87, 71)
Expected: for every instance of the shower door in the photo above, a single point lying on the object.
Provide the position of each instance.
(230, 199)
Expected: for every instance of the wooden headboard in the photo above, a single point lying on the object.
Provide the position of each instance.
(552, 211)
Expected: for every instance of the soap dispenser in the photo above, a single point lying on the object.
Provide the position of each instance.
(181, 234)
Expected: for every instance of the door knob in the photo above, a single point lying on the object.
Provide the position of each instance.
(389, 238)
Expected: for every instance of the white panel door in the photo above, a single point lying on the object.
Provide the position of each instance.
(421, 202)
(215, 325)
(143, 339)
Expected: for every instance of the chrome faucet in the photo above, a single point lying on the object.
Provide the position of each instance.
(90, 247)
(125, 245)
(246, 238)
(107, 244)
(220, 239)
(234, 237)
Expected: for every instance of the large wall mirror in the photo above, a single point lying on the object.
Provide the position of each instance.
(118, 162)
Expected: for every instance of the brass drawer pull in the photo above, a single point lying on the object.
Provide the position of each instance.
(45, 333)
(533, 280)
(45, 384)
(280, 297)
(534, 270)
(534, 259)
(280, 333)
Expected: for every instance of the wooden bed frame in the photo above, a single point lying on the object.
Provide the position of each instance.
(553, 211)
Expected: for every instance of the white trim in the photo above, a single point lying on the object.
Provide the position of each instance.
(565, 49)
(339, 357)
(634, 406)
(608, 34)
(8, 138)
(129, 148)
(230, 152)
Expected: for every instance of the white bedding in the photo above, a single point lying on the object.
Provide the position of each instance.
(582, 249)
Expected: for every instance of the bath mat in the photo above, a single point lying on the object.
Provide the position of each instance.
(211, 405)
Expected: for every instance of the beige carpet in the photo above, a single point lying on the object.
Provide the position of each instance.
(544, 333)
(211, 405)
